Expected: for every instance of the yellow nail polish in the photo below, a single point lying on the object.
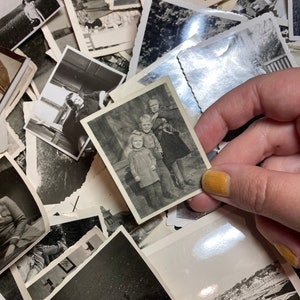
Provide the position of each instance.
(287, 254)
(215, 182)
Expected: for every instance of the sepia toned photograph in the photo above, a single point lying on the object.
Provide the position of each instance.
(245, 51)
(99, 30)
(150, 149)
(77, 87)
(19, 19)
(12, 68)
(117, 270)
(23, 219)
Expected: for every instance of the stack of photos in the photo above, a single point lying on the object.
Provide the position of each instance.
(99, 158)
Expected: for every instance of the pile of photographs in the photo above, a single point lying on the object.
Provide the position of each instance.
(98, 155)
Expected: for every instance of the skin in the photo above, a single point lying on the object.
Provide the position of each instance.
(271, 190)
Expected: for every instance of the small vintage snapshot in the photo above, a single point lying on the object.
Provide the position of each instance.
(12, 68)
(117, 270)
(123, 4)
(166, 24)
(77, 87)
(150, 149)
(19, 19)
(54, 274)
(294, 20)
(61, 237)
(250, 49)
(99, 30)
(227, 237)
(23, 219)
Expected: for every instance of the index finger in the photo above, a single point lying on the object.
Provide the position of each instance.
(276, 95)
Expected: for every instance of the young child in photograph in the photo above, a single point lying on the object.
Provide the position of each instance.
(151, 142)
(142, 165)
(174, 148)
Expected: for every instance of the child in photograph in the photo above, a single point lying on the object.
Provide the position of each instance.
(32, 13)
(142, 165)
(173, 146)
(151, 142)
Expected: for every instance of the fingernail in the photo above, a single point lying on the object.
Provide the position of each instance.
(216, 183)
(287, 254)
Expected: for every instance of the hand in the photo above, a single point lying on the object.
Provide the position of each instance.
(10, 251)
(258, 171)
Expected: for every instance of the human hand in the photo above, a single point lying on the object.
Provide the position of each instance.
(258, 171)
(10, 251)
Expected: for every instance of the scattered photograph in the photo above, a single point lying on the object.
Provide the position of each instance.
(56, 273)
(23, 219)
(166, 24)
(119, 268)
(59, 32)
(123, 4)
(252, 48)
(253, 9)
(54, 244)
(150, 149)
(78, 87)
(226, 237)
(19, 19)
(100, 31)
(294, 20)
(12, 69)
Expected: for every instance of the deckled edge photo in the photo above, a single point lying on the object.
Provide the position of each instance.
(168, 32)
(147, 197)
(32, 222)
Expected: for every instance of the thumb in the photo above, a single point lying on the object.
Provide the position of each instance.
(269, 193)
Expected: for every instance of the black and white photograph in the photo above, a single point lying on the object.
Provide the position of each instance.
(117, 270)
(123, 4)
(294, 20)
(100, 31)
(77, 87)
(60, 238)
(227, 237)
(43, 284)
(19, 19)
(166, 24)
(12, 68)
(250, 49)
(150, 149)
(23, 219)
